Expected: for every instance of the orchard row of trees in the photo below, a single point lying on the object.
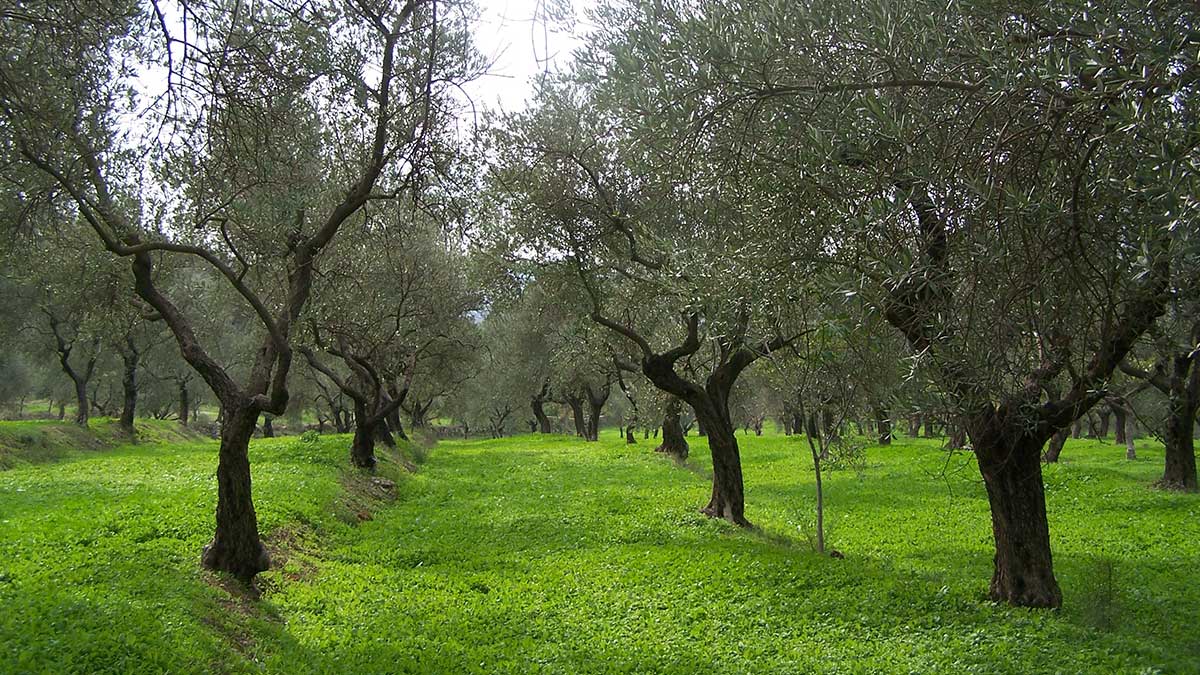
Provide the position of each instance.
(720, 214)
(1005, 196)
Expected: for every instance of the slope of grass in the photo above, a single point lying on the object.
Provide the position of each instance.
(548, 555)
(38, 441)
(99, 553)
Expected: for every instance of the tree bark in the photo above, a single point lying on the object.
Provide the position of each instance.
(629, 437)
(268, 428)
(1122, 426)
(883, 425)
(184, 403)
(395, 393)
(673, 441)
(129, 359)
(383, 434)
(1012, 473)
(596, 399)
(1055, 447)
(539, 413)
(235, 547)
(81, 403)
(395, 425)
(576, 405)
(728, 499)
(362, 448)
(1179, 470)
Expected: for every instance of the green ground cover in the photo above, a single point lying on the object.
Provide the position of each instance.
(549, 555)
(26, 442)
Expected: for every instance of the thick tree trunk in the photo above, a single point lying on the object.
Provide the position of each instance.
(593, 422)
(1179, 471)
(576, 406)
(700, 428)
(728, 499)
(1077, 428)
(884, 426)
(184, 404)
(1105, 417)
(362, 448)
(539, 413)
(383, 434)
(129, 388)
(1055, 446)
(62, 410)
(1012, 473)
(930, 427)
(268, 428)
(81, 402)
(673, 441)
(1122, 426)
(395, 425)
(629, 438)
(914, 426)
(797, 423)
(235, 547)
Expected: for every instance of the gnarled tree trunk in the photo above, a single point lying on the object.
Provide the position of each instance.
(362, 448)
(1012, 473)
(539, 414)
(1179, 470)
(576, 405)
(728, 500)
(235, 547)
(673, 441)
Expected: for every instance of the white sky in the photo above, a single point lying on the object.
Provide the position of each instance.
(522, 43)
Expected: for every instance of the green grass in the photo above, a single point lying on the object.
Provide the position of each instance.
(549, 555)
(37, 441)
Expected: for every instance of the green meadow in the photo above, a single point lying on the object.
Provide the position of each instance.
(545, 554)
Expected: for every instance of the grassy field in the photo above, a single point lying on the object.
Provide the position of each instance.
(27, 442)
(548, 555)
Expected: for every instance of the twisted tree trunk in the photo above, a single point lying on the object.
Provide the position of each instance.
(673, 441)
(1012, 473)
(235, 546)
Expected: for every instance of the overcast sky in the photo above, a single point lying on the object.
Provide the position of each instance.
(516, 35)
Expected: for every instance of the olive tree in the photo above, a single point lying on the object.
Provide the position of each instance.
(276, 126)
